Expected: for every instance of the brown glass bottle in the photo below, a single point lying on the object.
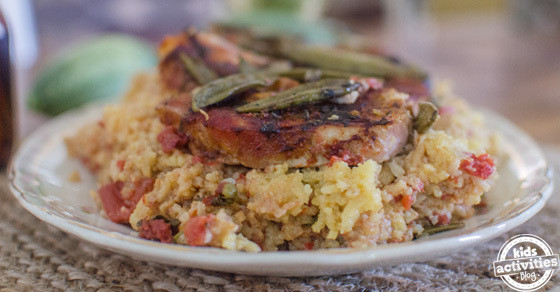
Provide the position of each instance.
(6, 106)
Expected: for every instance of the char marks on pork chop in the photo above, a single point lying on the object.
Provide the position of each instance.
(376, 126)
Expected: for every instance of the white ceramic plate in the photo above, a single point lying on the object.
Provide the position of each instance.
(40, 170)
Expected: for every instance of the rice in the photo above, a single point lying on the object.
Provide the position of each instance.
(282, 208)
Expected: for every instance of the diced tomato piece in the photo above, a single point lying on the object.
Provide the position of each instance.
(481, 166)
(170, 139)
(157, 229)
(197, 231)
(443, 219)
(113, 203)
(116, 207)
(141, 187)
(120, 164)
(407, 201)
(309, 245)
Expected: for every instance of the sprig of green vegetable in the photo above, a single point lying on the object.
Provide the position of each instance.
(200, 72)
(349, 61)
(220, 89)
(305, 93)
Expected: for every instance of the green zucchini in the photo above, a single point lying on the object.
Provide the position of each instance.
(99, 68)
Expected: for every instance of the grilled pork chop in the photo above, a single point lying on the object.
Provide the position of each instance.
(376, 126)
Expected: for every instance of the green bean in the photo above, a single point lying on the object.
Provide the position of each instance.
(349, 61)
(305, 93)
(427, 115)
(437, 229)
(200, 72)
(223, 88)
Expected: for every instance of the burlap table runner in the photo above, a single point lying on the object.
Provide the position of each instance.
(36, 256)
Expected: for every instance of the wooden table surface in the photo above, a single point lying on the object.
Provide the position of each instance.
(491, 63)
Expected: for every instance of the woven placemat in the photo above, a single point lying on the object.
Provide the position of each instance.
(36, 256)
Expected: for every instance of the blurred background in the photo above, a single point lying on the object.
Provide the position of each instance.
(504, 55)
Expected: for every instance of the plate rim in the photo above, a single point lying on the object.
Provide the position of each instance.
(274, 263)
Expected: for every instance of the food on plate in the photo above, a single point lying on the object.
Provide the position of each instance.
(295, 150)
